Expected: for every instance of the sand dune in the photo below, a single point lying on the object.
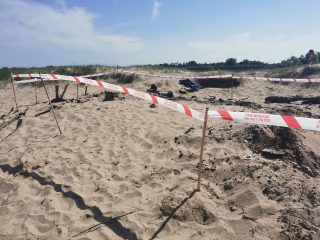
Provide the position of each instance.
(123, 170)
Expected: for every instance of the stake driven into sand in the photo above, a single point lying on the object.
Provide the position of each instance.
(14, 92)
(242, 117)
(54, 114)
(202, 147)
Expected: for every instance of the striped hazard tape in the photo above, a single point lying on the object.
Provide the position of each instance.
(242, 117)
(158, 75)
(293, 80)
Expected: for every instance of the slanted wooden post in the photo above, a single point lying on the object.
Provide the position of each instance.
(202, 146)
(64, 90)
(14, 93)
(85, 90)
(54, 114)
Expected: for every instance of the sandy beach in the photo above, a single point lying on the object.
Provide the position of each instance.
(125, 170)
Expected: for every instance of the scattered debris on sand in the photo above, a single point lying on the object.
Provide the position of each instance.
(290, 99)
(284, 143)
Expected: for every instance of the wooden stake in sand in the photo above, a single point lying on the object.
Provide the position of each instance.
(57, 91)
(77, 91)
(202, 146)
(232, 88)
(54, 114)
(64, 90)
(35, 88)
(14, 93)
(85, 90)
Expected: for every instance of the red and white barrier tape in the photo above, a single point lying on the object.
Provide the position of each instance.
(242, 117)
(158, 75)
(294, 80)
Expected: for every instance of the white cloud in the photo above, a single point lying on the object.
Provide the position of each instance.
(31, 24)
(247, 46)
(156, 9)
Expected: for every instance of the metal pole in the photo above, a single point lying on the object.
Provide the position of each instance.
(14, 93)
(54, 114)
(202, 146)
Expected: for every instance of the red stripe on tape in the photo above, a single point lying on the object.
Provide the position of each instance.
(154, 99)
(76, 79)
(99, 83)
(54, 76)
(30, 76)
(291, 121)
(125, 90)
(187, 110)
(17, 75)
(225, 115)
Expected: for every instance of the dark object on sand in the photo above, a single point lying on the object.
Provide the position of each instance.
(192, 87)
(305, 100)
(218, 82)
(109, 96)
(272, 154)
(169, 94)
(153, 89)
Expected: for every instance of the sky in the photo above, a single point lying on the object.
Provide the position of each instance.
(130, 32)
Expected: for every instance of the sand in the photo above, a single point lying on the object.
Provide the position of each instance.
(123, 170)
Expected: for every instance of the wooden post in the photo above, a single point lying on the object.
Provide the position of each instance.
(64, 90)
(85, 90)
(54, 114)
(202, 146)
(14, 93)
(57, 91)
(77, 90)
(232, 88)
(35, 88)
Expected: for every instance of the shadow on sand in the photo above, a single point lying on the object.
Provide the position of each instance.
(111, 223)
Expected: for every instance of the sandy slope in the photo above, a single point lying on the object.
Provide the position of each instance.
(123, 170)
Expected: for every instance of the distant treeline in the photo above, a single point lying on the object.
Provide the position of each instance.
(229, 64)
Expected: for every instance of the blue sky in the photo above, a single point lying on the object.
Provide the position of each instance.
(125, 32)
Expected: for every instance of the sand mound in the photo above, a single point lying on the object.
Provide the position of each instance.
(276, 142)
(184, 210)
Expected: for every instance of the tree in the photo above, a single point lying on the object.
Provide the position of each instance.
(231, 62)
